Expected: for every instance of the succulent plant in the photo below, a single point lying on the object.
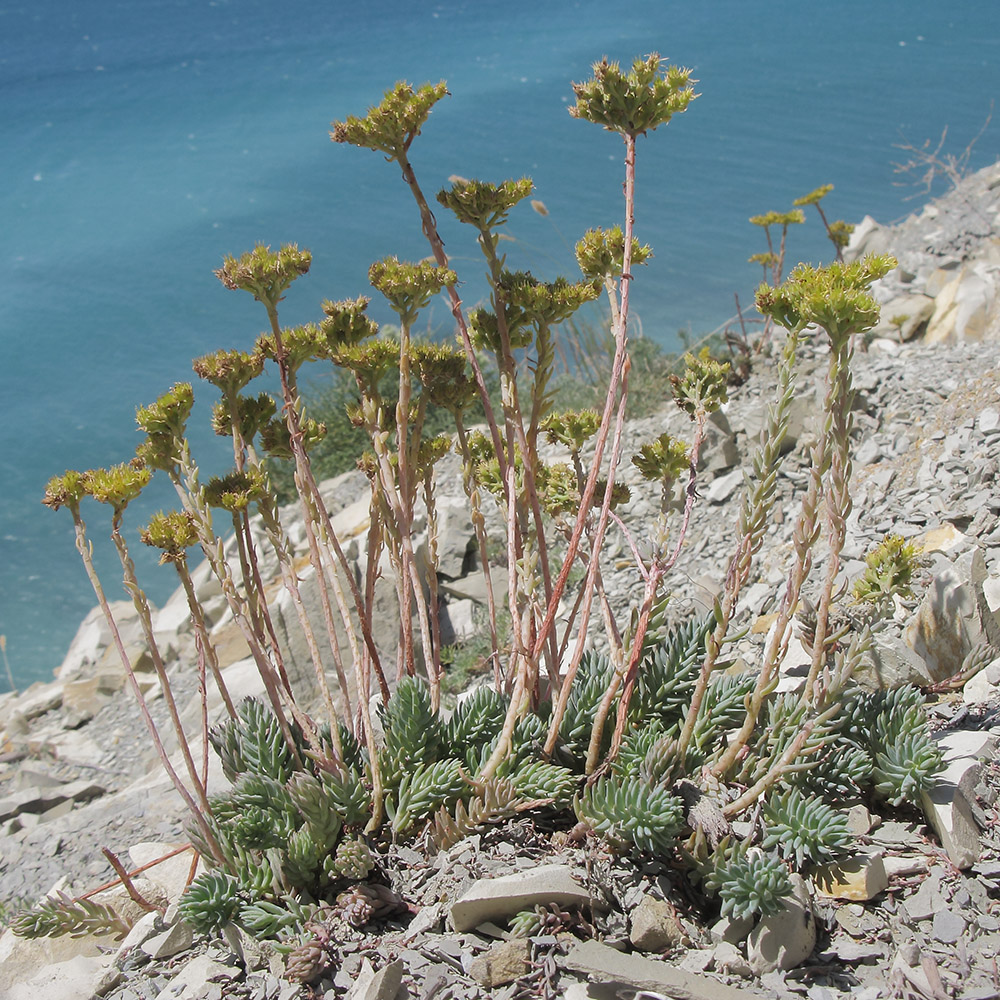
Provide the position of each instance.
(804, 828)
(353, 860)
(210, 901)
(631, 814)
(61, 914)
(750, 884)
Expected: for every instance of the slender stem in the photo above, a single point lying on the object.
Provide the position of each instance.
(83, 547)
(375, 543)
(837, 500)
(783, 764)
(201, 634)
(526, 440)
(203, 698)
(657, 572)
(479, 524)
(145, 619)
(617, 367)
(264, 613)
(125, 879)
(429, 226)
(589, 582)
(754, 513)
(432, 587)
(139, 870)
(193, 500)
(829, 232)
(304, 482)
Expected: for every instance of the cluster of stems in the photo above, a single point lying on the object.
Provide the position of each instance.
(555, 516)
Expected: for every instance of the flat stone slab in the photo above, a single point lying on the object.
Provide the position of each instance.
(959, 743)
(501, 898)
(601, 962)
(42, 800)
(951, 818)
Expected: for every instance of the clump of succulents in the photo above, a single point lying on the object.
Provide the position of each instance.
(647, 742)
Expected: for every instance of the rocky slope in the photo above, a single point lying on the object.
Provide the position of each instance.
(77, 773)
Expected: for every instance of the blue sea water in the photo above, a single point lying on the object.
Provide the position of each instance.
(140, 140)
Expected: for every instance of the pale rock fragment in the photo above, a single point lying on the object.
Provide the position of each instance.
(958, 743)
(723, 487)
(500, 898)
(861, 876)
(502, 962)
(898, 866)
(20, 958)
(948, 812)
(891, 663)
(947, 538)
(196, 974)
(382, 985)
(602, 964)
(84, 698)
(729, 960)
(942, 629)
(947, 926)
(74, 979)
(784, 939)
(144, 928)
(859, 820)
(655, 926)
(980, 689)
(911, 311)
(731, 929)
(176, 938)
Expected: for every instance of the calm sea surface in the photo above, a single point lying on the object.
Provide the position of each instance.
(140, 140)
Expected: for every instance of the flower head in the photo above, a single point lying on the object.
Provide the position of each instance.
(634, 102)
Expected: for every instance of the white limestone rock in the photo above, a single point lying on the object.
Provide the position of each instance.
(891, 663)
(784, 939)
(915, 309)
(176, 938)
(984, 686)
(75, 979)
(958, 743)
(500, 898)
(948, 812)
(21, 959)
(602, 964)
(382, 985)
(946, 623)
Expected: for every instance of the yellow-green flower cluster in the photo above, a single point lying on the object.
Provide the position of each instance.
(173, 532)
(835, 298)
(391, 126)
(601, 252)
(484, 205)
(634, 102)
(409, 287)
(264, 273)
(663, 460)
(703, 386)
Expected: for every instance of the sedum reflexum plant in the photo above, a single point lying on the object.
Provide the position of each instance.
(641, 737)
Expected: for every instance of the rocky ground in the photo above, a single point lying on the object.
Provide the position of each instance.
(921, 915)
